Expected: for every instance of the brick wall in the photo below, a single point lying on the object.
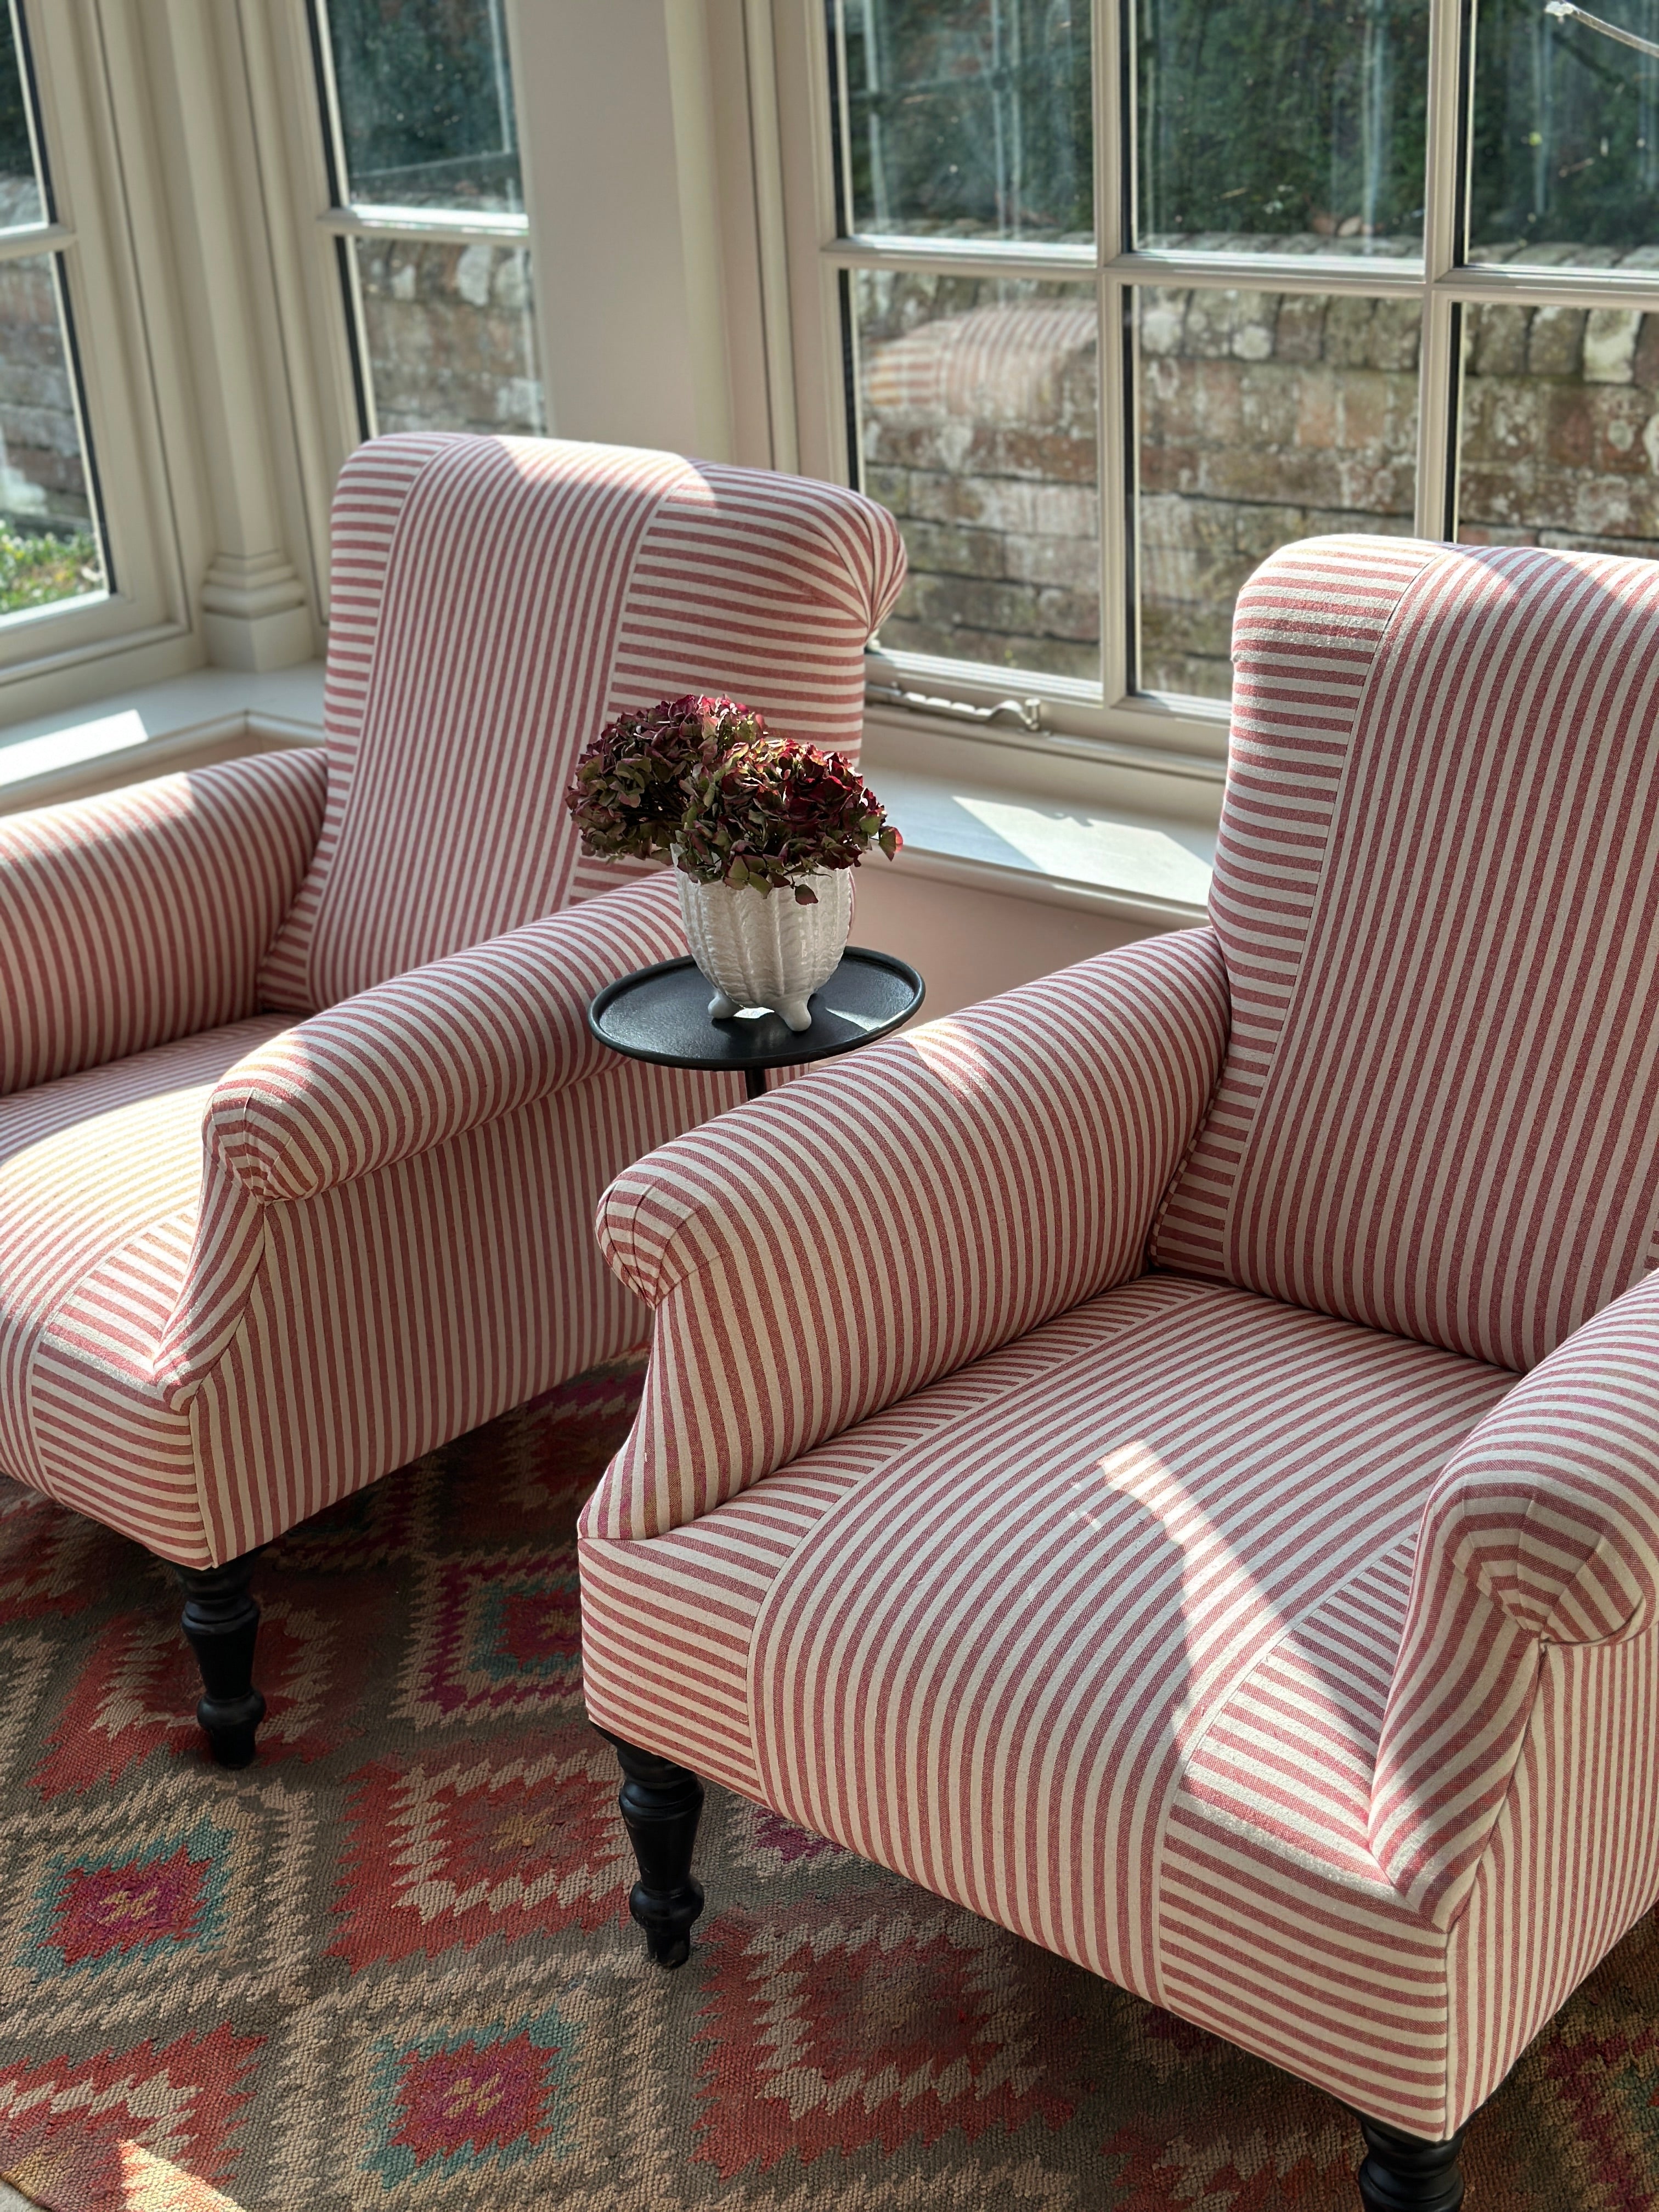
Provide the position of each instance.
(451, 335)
(980, 433)
(1264, 416)
(42, 482)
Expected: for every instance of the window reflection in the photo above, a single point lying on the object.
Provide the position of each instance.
(1283, 124)
(426, 103)
(1565, 161)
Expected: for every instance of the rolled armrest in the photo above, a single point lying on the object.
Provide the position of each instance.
(447, 1048)
(828, 1250)
(139, 916)
(1543, 1529)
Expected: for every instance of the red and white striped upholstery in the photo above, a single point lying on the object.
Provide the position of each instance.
(1170, 1458)
(1395, 1138)
(132, 918)
(495, 600)
(253, 1263)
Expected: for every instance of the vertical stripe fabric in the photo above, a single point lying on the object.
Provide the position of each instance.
(497, 599)
(396, 1310)
(99, 1178)
(424, 1057)
(252, 1264)
(1437, 891)
(1543, 1533)
(1096, 1635)
(129, 920)
(843, 1242)
(1274, 1628)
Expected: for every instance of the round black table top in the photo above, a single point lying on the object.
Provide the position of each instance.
(661, 1014)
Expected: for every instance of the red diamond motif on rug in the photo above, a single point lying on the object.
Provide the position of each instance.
(114, 1909)
(408, 1936)
(136, 1694)
(506, 1491)
(51, 1562)
(1234, 2166)
(829, 2038)
(471, 2101)
(515, 1841)
(64, 2127)
(499, 1636)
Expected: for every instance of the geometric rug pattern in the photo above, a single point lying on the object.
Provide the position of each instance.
(390, 1964)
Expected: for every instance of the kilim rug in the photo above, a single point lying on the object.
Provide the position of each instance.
(389, 1965)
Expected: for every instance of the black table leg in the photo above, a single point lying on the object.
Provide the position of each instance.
(754, 1082)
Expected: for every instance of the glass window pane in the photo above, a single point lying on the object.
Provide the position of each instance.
(48, 538)
(1565, 163)
(1559, 441)
(450, 332)
(425, 104)
(21, 199)
(1282, 126)
(978, 411)
(967, 118)
(1263, 417)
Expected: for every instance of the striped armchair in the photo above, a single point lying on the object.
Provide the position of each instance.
(301, 1128)
(1190, 1491)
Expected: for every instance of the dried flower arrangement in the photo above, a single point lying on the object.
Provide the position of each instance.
(701, 780)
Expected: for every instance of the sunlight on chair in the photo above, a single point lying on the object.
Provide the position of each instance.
(951, 1053)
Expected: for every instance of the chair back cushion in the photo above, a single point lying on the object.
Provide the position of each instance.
(1436, 894)
(494, 601)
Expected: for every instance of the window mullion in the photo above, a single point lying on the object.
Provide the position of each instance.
(1118, 590)
(1450, 24)
(1113, 234)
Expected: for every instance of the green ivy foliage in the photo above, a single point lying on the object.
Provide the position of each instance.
(36, 571)
(15, 158)
(1266, 118)
(967, 118)
(1282, 116)
(1565, 128)
(420, 101)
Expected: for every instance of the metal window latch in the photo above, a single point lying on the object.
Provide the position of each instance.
(1567, 13)
(1028, 713)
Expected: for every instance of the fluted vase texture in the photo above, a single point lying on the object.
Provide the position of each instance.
(762, 949)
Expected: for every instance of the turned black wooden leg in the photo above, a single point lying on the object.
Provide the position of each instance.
(1403, 2173)
(220, 1624)
(660, 1804)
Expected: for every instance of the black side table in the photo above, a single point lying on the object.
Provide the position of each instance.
(661, 1014)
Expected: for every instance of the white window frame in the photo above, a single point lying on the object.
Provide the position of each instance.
(86, 82)
(1121, 721)
(344, 220)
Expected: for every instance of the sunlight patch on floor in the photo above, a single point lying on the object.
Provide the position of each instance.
(155, 2185)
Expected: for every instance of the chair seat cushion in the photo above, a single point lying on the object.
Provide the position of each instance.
(100, 1175)
(1093, 1637)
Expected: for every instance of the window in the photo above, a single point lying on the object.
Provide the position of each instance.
(429, 213)
(49, 532)
(1116, 300)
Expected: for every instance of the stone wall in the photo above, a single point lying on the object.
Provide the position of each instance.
(1561, 429)
(980, 433)
(42, 479)
(452, 338)
(1264, 417)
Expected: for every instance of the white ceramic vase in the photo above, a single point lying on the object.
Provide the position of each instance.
(762, 949)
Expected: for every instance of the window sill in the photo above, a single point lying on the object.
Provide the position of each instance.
(1135, 843)
(1135, 869)
(1065, 826)
(211, 714)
